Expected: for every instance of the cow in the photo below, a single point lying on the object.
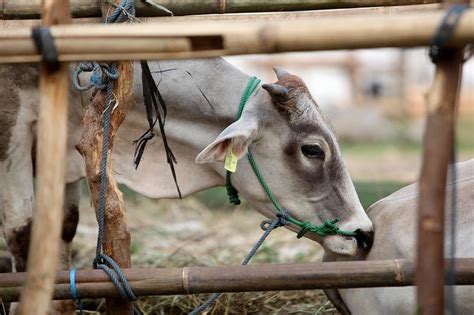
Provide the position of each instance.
(395, 219)
(291, 139)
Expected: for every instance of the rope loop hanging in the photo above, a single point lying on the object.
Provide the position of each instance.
(101, 74)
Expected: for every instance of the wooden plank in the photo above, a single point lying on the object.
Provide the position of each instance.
(231, 38)
(27, 9)
(438, 141)
(43, 253)
(190, 280)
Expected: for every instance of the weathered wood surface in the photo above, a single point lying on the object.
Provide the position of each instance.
(43, 255)
(190, 280)
(116, 234)
(192, 40)
(27, 9)
(438, 141)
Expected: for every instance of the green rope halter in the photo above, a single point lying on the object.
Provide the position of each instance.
(329, 227)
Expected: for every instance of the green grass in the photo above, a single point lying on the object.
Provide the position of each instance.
(464, 141)
(370, 192)
(465, 134)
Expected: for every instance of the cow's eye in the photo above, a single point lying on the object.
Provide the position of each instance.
(313, 151)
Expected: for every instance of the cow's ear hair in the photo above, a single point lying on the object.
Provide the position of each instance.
(237, 136)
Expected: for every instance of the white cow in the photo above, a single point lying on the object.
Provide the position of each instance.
(395, 219)
(292, 141)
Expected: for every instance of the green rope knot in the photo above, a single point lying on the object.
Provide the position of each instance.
(232, 193)
(329, 227)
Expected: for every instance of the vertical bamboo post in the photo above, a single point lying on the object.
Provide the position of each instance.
(116, 236)
(438, 140)
(43, 253)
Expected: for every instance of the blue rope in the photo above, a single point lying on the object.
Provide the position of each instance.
(123, 12)
(74, 294)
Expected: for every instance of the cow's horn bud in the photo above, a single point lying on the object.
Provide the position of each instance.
(277, 92)
(280, 72)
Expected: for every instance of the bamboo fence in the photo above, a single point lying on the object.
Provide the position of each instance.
(191, 280)
(194, 40)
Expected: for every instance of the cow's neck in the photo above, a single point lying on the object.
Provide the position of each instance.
(202, 98)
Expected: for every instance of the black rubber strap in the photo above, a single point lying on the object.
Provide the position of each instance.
(45, 46)
(445, 31)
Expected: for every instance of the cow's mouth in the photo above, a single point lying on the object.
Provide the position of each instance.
(341, 245)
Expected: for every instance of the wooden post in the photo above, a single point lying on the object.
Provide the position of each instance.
(43, 253)
(116, 235)
(438, 141)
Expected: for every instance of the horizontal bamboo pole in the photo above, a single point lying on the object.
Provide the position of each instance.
(252, 17)
(190, 280)
(231, 38)
(30, 9)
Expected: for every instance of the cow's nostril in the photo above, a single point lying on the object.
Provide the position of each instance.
(364, 239)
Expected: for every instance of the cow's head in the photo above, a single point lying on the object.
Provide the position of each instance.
(297, 152)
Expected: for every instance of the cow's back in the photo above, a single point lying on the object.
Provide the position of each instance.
(395, 221)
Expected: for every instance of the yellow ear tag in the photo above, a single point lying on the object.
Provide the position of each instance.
(230, 162)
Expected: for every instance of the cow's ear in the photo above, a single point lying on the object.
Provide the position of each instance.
(237, 136)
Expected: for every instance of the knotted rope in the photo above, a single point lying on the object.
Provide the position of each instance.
(103, 77)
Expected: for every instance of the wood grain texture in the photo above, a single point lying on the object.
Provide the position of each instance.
(438, 142)
(203, 39)
(43, 255)
(190, 280)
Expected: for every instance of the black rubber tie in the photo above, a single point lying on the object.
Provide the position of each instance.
(45, 46)
(445, 31)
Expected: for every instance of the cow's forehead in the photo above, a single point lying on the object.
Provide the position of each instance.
(304, 115)
(293, 83)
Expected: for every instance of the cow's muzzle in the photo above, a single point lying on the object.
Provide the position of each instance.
(364, 239)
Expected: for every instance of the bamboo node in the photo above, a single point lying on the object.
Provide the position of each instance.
(399, 275)
(185, 279)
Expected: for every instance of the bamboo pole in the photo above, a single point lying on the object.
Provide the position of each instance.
(43, 253)
(116, 234)
(252, 17)
(438, 141)
(191, 280)
(195, 40)
(27, 9)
